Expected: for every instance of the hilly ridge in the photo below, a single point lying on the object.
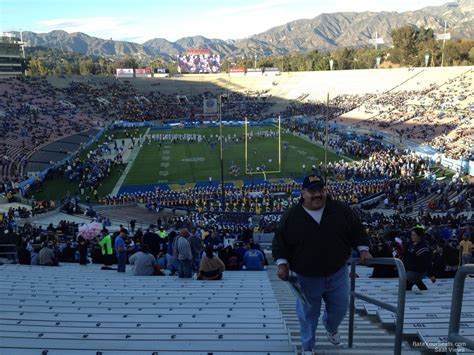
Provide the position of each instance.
(324, 32)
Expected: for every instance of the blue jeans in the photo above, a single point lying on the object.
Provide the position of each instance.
(334, 290)
(185, 269)
(121, 261)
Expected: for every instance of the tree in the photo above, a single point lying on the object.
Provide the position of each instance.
(70, 68)
(86, 66)
(265, 62)
(36, 66)
(158, 63)
(405, 45)
(343, 58)
(126, 62)
(471, 55)
(364, 58)
(322, 62)
(452, 56)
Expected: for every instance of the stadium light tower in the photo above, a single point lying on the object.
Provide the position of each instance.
(22, 44)
(376, 41)
(443, 36)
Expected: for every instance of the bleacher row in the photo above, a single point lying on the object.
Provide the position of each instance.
(426, 323)
(73, 310)
(16, 155)
(14, 152)
(423, 201)
(427, 313)
(82, 310)
(55, 150)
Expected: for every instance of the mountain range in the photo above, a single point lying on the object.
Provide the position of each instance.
(324, 32)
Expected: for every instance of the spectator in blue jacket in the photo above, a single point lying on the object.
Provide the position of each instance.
(121, 251)
(254, 259)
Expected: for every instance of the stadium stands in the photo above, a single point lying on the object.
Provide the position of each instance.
(71, 310)
(91, 311)
(75, 104)
(239, 314)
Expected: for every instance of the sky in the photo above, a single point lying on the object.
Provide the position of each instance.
(139, 21)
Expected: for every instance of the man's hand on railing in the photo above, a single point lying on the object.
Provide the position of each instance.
(364, 256)
(283, 272)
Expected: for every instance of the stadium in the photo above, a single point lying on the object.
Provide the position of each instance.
(224, 155)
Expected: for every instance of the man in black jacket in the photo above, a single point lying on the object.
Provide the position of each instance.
(152, 240)
(315, 239)
(417, 259)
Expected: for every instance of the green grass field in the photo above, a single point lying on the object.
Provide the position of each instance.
(189, 162)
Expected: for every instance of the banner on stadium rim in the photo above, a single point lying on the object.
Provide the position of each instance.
(236, 71)
(210, 106)
(271, 71)
(143, 72)
(124, 72)
(198, 51)
(161, 73)
(254, 71)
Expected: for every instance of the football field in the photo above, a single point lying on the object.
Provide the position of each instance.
(182, 161)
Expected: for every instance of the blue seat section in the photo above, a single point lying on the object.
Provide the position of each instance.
(257, 180)
(129, 189)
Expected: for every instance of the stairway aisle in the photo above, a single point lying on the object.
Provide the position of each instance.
(369, 337)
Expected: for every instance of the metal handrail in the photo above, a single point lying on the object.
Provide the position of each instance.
(399, 310)
(454, 338)
(3, 251)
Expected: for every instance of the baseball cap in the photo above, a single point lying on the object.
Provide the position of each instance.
(313, 181)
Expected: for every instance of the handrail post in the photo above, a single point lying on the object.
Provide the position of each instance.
(402, 283)
(399, 310)
(456, 308)
(352, 305)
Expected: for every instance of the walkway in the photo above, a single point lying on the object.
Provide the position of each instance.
(130, 160)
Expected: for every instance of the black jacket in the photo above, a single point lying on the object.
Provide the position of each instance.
(314, 249)
(418, 257)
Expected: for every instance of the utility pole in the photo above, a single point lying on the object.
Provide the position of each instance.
(326, 140)
(376, 41)
(221, 96)
(444, 36)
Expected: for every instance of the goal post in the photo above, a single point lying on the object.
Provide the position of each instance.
(263, 172)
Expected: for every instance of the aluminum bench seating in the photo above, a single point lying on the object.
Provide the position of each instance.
(427, 313)
(38, 351)
(72, 309)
